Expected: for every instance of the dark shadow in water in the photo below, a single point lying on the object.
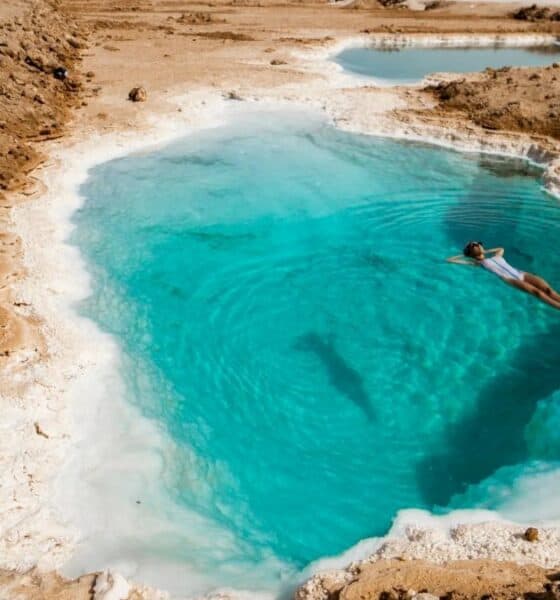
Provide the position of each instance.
(342, 376)
(212, 237)
(493, 434)
(197, 160)
(507, 168)
(380, 262)
(217, 239)
(551, 50)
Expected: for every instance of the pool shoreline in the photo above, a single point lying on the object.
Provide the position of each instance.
(452, 133)
(44, 223)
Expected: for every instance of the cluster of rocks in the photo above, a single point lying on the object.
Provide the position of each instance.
(536, 13)
(198, 18)
(392, 3)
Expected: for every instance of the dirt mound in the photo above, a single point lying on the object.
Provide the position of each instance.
(34, 104)
(455, 580)
(39, 49)
(524, 100)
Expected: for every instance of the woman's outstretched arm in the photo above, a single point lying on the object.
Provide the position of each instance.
(461, 260)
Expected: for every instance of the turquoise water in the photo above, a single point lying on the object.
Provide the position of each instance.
(279, 290)
(412, 64)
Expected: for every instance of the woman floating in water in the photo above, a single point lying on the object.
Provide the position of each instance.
(493, 260)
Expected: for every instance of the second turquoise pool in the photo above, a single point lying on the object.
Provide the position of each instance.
(405, 65)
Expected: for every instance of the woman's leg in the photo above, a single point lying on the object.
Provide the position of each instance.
(525, 286)
(542, 285)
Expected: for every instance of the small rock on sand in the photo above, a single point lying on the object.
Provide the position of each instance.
(233, 95)
(60, 73)
(532, 534)
(138, 94)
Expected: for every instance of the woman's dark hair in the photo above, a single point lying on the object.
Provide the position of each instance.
(467, 250)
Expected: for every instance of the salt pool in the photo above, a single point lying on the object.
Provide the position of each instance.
(410, 64)
(280, 295)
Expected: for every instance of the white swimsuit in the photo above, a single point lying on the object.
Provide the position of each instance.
(500, 267)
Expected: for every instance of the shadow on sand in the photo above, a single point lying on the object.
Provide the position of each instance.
(342, 376)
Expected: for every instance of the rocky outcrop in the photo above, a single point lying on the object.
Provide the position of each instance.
(34, 98)
(421, 580)
(536, 13)
(466, 562)
(507, 99)
(105, 585)
(37, 44)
